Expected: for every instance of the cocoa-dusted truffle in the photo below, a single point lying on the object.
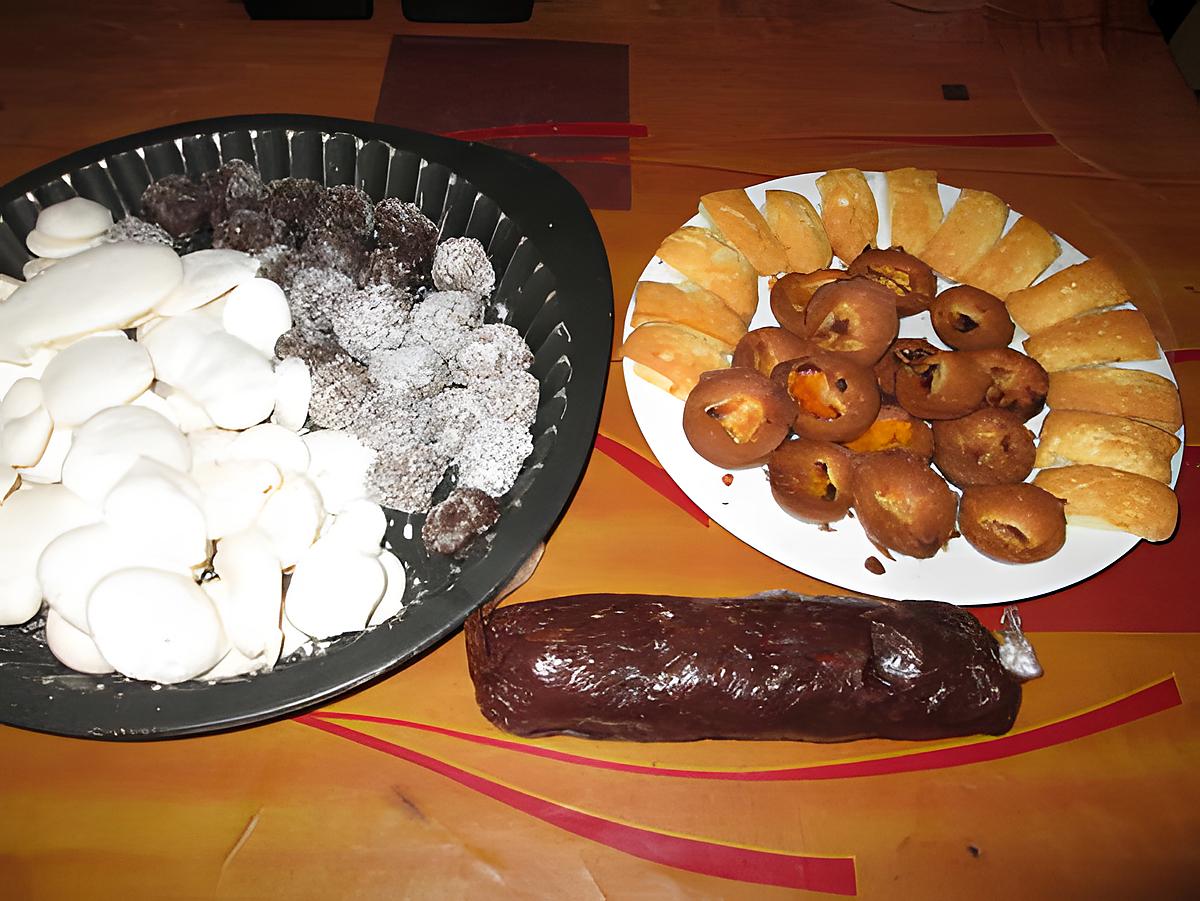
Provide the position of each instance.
(895, 429)
(811, 479)
(1019, 384)
(454, 524)
(345, 208)
(389, 266)
(903, 350)
(968, 318)
(176, 204)
(910, 280)
(902, 504)
(234, 185)
(736, 417)
(1018, 523)
(249, 231)
(988, 447)
(328, 248)
(294, 202)
(853, 317)
(790, 296)
(765, 348)
(462, 264)
(402, 225)
(944, 385)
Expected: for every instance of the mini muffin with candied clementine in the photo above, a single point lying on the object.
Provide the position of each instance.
(909, 279)
(903, 505)
(790, 296)
(969, 318)
(765, 348)
(944, 385)
(987, 447)
(903, 350)
(811, 479)
(736, 417)
(833, 399)
(1019, 384)
(855, 317)
(895, 429)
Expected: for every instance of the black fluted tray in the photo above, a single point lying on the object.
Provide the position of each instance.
(553, 285)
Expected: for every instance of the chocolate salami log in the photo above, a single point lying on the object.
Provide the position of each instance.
(777, 666)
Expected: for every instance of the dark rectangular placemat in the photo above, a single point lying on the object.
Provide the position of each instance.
(479, 88)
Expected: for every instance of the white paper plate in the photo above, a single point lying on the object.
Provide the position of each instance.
(960, 574)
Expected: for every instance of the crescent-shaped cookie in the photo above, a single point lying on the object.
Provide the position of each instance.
(848, 212)
(797, 225)
(690, 305)
(742, 225)
(672, 356)
(916, 207)
(969, 230)
(1082, 288)
(1015, 260)
(1139, 395)
(1071, 436)
(714, 265)
(1110, 337)
(1105, 498)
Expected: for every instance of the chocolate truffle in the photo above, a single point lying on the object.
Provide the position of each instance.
(462, 264)
(402, 225)
(454, 524)
(249, 231)
(294, 202)
(345, 208)
(176, 204)
(234, 185)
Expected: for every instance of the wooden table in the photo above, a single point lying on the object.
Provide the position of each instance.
(1076, 116)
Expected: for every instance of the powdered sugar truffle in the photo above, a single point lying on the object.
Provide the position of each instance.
(370, 319)
(443, 319)
(417, 371)
(331, 248)
(313, 294)
(340, 384)
(491, 460)
(491, 349)
(462, 264)
(131, 228)
(389, 266)
(386, 418)
(276, 263)
(511, 396)
(405, 475)
(456, 412)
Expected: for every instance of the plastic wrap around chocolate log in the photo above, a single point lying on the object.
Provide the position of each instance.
(774, 666)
